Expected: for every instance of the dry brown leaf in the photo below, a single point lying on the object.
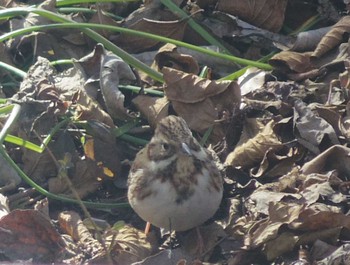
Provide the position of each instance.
(323, 187)
(258, 203)
(342, 253)
(129, 245)
(114, 71)
(169, 56)
(152, 109)
(268, 14)
(27, 234)
(189, 88)
(210, 235)
(308, 40)
(280, 213)
(331, 115)
(253, 151)
(85, 179)
(201, 101)
(310, 129)
(71, 223)
(277, 163)
(286, 242)
(281, 244)
(312, 220)
(333, 37)
(88, 109)
(175, 256)
(105, 154)
(335, 157)
(288, 61)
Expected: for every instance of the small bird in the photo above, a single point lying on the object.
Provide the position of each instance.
(174, 182)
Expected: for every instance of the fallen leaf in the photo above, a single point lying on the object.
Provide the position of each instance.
(253, 151)
(310, 129)
(267, 14)
(152, 109)
(200, 101)
(333, 37)
(27, 234)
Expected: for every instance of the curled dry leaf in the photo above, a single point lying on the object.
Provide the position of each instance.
(308, 40)
(325, 187)
(322, 191)
(335, 157)
(276, 163)
(289, 61)
(313, 219)
(311, 130)
(201, 102)
(153, 109)
(71, 223)
(253, 151)
(88, 109)
(113, 71)
(333, 37)
(252, 80)
(258, 202)
(266, 229)
(169, 56)
(268, 14)
(306, 225)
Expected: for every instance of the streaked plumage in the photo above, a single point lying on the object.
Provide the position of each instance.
(173, 182)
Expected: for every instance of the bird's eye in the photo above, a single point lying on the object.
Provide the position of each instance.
(165, 146)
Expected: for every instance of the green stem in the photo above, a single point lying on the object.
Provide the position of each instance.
(9, 122)
(86, 10)
(198, 28)
(11, 119)
(11, 12)
(138, 33)
(74, 2)
(13, 69)
(50, 195)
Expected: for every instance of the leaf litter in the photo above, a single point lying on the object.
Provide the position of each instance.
(282, 136)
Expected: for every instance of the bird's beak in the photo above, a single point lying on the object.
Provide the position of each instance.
(186, 149)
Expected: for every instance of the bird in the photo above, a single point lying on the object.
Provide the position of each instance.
(174, 182)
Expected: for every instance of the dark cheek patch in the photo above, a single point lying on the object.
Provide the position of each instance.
(156, 153)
